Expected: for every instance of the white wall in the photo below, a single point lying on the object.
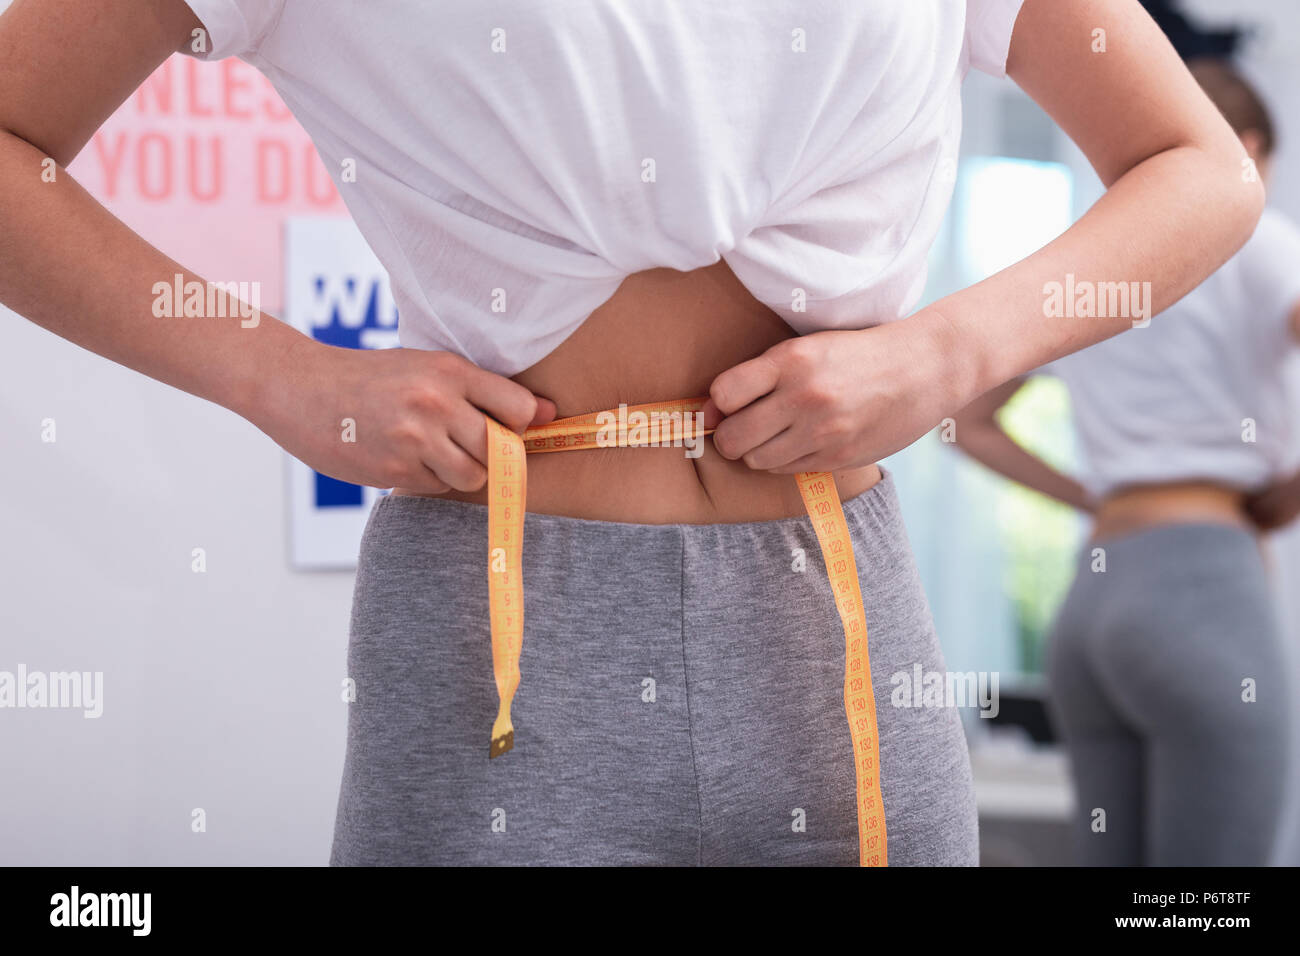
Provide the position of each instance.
(221, 689)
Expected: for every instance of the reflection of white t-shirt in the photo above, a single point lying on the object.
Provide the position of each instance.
(1181, 398)
(515, 160)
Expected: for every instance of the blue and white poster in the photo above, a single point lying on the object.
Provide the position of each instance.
(337, 292)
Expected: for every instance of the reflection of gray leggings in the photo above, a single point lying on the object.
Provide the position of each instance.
(1150, 666)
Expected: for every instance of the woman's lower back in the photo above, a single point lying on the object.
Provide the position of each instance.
(1137, 508)
(663, 335)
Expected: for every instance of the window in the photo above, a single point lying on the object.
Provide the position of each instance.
(995, 558)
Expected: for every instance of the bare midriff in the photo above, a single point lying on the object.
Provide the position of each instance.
(1138, 507)
(663, 335)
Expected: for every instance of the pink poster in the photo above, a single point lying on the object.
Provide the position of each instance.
(206, 162)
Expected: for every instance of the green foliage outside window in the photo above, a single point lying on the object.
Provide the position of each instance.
(1040, 537)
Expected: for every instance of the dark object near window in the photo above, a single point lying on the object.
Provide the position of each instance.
(1026, 708)
(1189, 39)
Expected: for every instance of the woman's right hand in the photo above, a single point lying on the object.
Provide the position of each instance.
(408, 418)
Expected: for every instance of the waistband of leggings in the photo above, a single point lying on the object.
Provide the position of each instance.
(1174, 534)
(877, 505)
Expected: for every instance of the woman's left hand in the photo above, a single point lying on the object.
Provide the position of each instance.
(837, 399)
(1275, 506)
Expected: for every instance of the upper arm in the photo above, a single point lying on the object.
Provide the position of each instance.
(66, 65)
(1109, 77)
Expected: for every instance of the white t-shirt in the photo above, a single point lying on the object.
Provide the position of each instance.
(1201, 393)
(515, 160)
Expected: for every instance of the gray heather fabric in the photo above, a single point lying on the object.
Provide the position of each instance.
(746, 733)
(1145, 666)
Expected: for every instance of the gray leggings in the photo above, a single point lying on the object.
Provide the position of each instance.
(1146, 670)
(681, 699)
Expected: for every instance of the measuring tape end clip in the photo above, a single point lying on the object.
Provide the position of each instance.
(502, 744)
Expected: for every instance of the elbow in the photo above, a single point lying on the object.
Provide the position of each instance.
(1236, 191)
(1247, 206)
(1258, 199)
(1241, 220)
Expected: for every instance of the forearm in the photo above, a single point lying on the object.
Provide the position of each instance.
(1169, 221)
(991, 446)
(73, 268)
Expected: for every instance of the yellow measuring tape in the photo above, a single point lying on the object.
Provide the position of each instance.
(506, 496)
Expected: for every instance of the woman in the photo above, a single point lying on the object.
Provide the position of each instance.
(1166, 667)
(586, 205)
